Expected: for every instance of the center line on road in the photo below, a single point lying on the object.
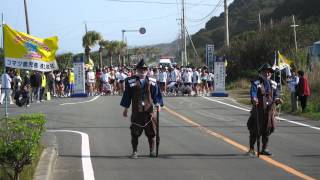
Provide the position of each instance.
(239, 146)
(95, 98)
(248, 110)
(87, 169)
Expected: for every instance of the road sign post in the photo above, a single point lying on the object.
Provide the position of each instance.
(79, 72)
(219, 77)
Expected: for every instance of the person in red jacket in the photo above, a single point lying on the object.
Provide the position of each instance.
(303, 90)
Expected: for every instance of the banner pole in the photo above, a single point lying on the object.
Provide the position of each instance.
(4, 68)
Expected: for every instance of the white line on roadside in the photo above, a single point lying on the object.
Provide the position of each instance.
(248, 110)
(87, 169)
(95, 98)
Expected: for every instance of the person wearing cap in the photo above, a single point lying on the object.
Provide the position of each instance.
(264, 96)
(143, 93)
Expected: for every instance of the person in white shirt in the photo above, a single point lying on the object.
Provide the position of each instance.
(210, 82)
(172, 80)
(195, 80)
(5, 87)
(293, 81)
(112, 80)
(17, 81)
(121, 77)
(186, 88)
(163, 80)
(187, 76)
(204, 79)
(178, 78)
(105, 78)
(91, 81)
(155, 74)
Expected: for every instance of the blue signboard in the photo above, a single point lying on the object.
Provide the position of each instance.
(210, 56)
(79, 74)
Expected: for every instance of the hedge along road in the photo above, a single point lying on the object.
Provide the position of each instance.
(186, 151)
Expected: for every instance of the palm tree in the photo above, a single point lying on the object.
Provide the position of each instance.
(90, 39)
(64, 60)
(111, 47)
(120, 51)
(124, 51)
(102, 44)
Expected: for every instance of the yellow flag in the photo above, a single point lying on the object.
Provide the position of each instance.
(90, 64)
(283, 60)
(23, 51)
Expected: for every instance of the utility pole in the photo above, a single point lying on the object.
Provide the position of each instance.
(260, 26)
(226, 19)
(295, 32)
(123, 31)
(85, 27)
(181, 42)
(26, 15)
(194, 48)
(183, 33)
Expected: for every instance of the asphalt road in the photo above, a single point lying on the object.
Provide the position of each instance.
(201, 138)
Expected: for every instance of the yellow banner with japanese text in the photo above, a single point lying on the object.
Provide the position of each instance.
(23, 51)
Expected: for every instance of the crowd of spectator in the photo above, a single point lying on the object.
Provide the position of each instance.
(25, 87)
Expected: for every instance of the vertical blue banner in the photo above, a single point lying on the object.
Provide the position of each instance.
(210, 56)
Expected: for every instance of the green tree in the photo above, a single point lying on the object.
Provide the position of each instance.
(111, 48)
(64, 61)
(19, 141)
(120, 50)
(89, 40)
(102, 46)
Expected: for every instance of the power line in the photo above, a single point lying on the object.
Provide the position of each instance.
(209, 14)
(159, 2)
(129, 20)
(200, 3)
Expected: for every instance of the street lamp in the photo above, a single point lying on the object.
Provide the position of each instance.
(142, 30)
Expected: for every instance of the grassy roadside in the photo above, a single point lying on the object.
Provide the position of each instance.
(241, 95)
(20, 147)
(29, 170)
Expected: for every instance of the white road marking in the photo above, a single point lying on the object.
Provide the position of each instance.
(95, 98)
(248, 110)
(87, 169)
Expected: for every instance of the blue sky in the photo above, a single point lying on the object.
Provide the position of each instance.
(66, 19)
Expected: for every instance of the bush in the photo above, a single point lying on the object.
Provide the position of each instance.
(19, 141)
